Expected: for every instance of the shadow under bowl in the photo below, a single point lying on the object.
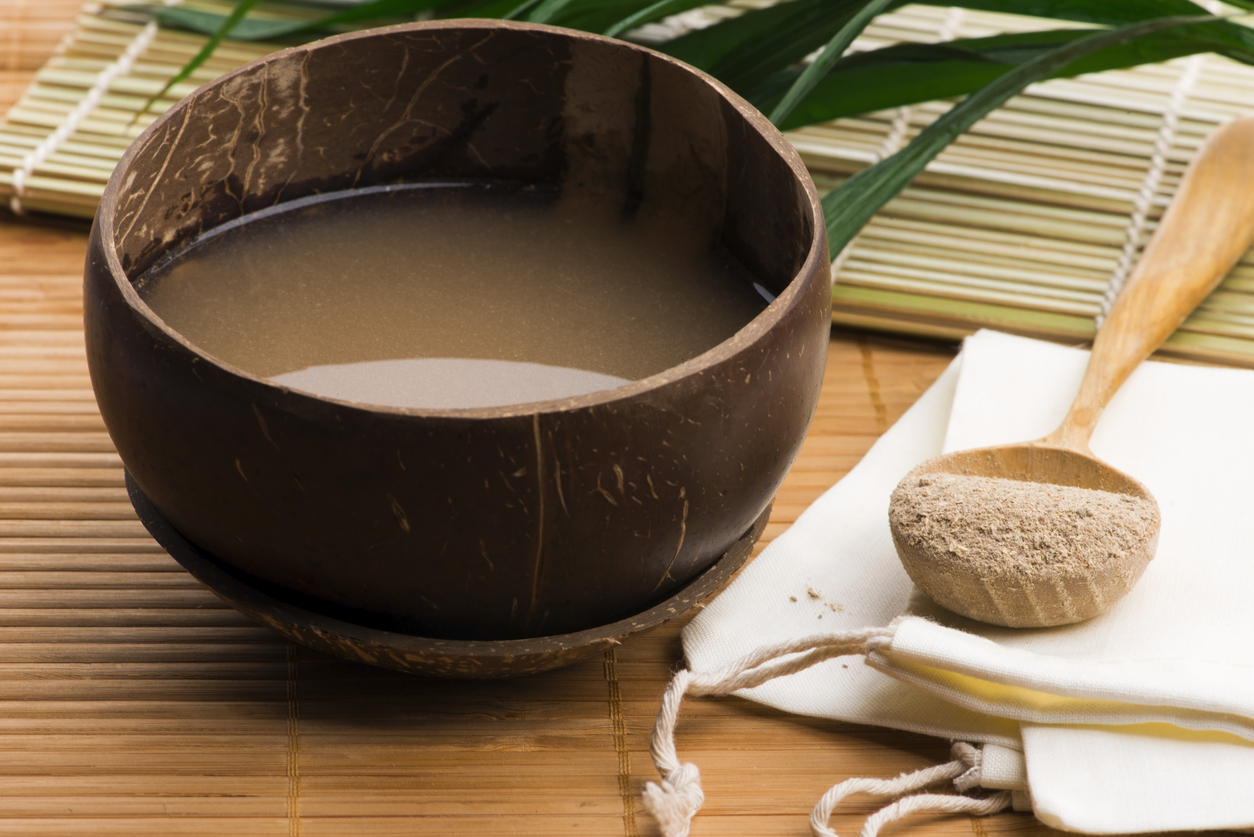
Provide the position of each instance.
(343, 633)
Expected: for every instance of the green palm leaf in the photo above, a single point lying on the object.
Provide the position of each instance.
(849, 206)
(262, 29)
(819, 66)
(907, 74)
(1107, 13)
(745, 49)
(650, 13)
(237, 15)
(763, 41)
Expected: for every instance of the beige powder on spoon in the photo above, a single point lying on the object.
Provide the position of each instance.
(986, 524)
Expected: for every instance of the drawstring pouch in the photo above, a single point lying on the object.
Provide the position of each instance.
(1155, 698)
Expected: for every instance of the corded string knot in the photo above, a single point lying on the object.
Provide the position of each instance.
(906, 783)
(675, 801)
(973, 759)
(877, 643)
(883, 638)
(964, 770)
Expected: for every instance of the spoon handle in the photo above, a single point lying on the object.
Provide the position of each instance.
(1207, 227)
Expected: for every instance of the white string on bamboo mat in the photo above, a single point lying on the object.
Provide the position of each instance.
(895, 139)
(138, 45)
(676, 800)
(1149, 186)
(964, 771)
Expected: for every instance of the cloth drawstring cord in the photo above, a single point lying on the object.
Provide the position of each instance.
(676, 799)
(935, 803)
(963, 771)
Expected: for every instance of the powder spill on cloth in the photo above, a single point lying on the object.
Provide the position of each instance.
(1139, 720)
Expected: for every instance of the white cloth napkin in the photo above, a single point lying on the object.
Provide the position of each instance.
(1139, 720)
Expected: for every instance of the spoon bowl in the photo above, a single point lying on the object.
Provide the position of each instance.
(1009, 595)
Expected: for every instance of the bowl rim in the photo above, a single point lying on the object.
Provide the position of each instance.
(755, 330)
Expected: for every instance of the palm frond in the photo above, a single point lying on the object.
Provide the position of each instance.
(850, 205)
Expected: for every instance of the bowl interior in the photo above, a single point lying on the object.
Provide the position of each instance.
(597, 121)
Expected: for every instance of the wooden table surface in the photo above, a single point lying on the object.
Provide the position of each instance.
(133, 702)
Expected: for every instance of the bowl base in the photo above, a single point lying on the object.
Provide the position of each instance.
(426, 655)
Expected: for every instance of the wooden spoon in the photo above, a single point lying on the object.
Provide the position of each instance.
(1209, 225)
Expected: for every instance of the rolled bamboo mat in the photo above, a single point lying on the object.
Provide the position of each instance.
(1032, 221)
(96, 91)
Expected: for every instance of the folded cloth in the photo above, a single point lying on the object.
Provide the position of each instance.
(1141, 719)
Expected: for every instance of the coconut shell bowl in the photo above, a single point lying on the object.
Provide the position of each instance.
(361, 530)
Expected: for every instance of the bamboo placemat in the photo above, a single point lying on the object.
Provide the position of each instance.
(133, 702)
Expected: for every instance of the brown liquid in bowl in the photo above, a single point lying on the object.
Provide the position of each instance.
(451, 296)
